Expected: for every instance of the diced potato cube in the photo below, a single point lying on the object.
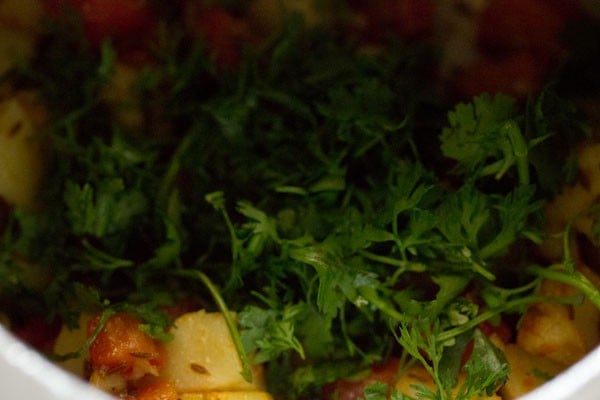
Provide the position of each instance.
(114, 384)
(228, 395)
(15, 48)
(21, 154)
(202, 356)
(19, 23)
(549, 329)
(23, 14)
(588, 158)
(69, 341)
(586, 315)
(527, 371)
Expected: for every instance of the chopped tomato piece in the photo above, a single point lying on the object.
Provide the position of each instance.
(406, 19)
(516, 75)
(507, 25)
(120, 19)
(56, 7)
(121, 347)
(347, 389)
(125, 21)
(223, 33)
(501, 330)
(161, 389)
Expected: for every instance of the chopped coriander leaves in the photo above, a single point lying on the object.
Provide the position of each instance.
(294, 192)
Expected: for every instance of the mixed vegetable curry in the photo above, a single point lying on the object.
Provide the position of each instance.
(301, 199)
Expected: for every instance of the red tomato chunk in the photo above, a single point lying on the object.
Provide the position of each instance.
(121, 347)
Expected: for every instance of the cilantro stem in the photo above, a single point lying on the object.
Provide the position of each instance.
(520, 150)
(371, 295)
(494, 248)
(480, 269)
(217, 200)
(403, 265)
(231, 325)
(490, 313)
(102, 260)
(172, 171)
(106, 314)
(573, 278)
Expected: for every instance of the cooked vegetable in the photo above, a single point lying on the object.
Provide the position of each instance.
(22, 153)
(344, 225)
(203, 357)
(225, 395)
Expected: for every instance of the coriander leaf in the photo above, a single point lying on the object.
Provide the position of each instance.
(336, 280)
(554, 159)
(462, 215)
(232, 114)
(315, 332)
(420, 237)
(102, 210)
(450, 286)
(364, 106)
(514, 210)
(418, 337)
(486, 369)
(261, 227)
(453, 358)
(477, 138)
(269, 333)
(169, 252)
(156, 322)
(409, 187)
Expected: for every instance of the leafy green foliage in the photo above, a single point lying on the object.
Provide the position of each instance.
(263, 330)
(486, 369)
(295, 193)
(475, 136)
(103, 211)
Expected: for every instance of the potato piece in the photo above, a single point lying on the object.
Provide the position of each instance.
(15, 47)
(202, 356)
(229, 395)
(586, 315)
(549, 329)
(560, 212)
(114, 384)
(21, 154)
(22, 14)
(527, 371)
(71, 340)
(570, 206)
(418, 374)
(589, 164)
(19, 24)
(4, 321)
